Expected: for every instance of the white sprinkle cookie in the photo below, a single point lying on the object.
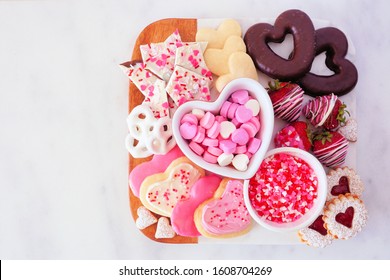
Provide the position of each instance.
(345, 216)
(145, 218)
(342, 181)
(349, 130)
(164, 229)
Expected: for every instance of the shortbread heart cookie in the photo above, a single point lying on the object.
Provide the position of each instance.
(216, 38)
(161, 192)
(316, 235)
(240, 66)
(145, 218)
(164, 229)
(225, 215)
(342, 181)
(183, 213)
(335, 45)
(217, 59)
(267, 61)
(349, 130)
(345, 216)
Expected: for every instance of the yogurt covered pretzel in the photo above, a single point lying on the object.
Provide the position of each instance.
(148, 135)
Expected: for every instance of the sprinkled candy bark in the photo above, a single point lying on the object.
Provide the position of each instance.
(190, 56)
(185, 85)
(157, 100)
(226, 214)
(283, 189)
(161, 192)
(141, 77)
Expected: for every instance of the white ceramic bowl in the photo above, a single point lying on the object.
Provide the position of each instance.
(265, 133)
(319, 202)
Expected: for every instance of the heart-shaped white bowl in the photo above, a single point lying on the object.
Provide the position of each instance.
(313, 212)
(257, 91)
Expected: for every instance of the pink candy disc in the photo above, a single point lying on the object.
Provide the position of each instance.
(236, 123)
(241, 149)
(210, 142)
(190, 118)
(256, 122)
(232, 110)
(225, 109)
(214, 151)
(207, 120)
(250, 128)
(227, 146)
(200, 135)
(196, 148)
(253, 145)
(214, 130)
(243, 114)
(188, 131)
(210, 158)
(240, 96)
(220, 118)
(240, 136)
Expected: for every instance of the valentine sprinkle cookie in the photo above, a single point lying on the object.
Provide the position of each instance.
(345, 216)
(267, 61)
(327, 111)
(316, 234)
(161, 192)
(342, 181)
(164, 229)
(216, 38)
(287, 99)
(283, 189)
(185, 85)
(225, 215)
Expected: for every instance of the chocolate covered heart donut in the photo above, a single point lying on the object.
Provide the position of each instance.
(334, 43)
(267, 61)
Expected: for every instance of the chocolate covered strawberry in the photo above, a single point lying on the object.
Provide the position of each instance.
(325, 111)
(287, 99)
(330, 148)
(296, 135)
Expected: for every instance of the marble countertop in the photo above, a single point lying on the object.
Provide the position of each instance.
(63, 105)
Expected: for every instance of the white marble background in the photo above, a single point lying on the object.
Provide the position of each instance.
(63, 104)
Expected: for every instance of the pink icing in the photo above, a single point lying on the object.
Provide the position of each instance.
(228, 213)
(202, 190)
(319, 109)
(158, 164)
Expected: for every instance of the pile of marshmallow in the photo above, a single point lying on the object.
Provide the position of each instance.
(228, 137)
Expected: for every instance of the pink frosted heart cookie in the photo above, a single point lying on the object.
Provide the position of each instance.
(225, 215)
(183, 213)
(157, 165)
(161, 192)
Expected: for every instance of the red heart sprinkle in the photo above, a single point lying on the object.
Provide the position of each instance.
(346, 218)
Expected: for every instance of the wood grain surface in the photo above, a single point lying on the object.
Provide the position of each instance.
(157, 32)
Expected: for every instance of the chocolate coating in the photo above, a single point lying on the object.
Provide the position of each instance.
(259, 35)
(333, 42)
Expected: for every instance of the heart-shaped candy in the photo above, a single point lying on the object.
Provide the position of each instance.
(259, 35)
(183, 213)
(264, 128)
(164, 230)
(334, 43)
(224, 215)
(341, 188)
(161, 192)
(145, 218)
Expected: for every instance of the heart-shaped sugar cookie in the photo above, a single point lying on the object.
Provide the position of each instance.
(217, 59)
(216, 38)
(164, 230)
(145, 218)
(240, 66)
(334, 43)
(224, 215)
(161, 192)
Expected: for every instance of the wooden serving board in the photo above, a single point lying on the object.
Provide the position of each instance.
(156, 32)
